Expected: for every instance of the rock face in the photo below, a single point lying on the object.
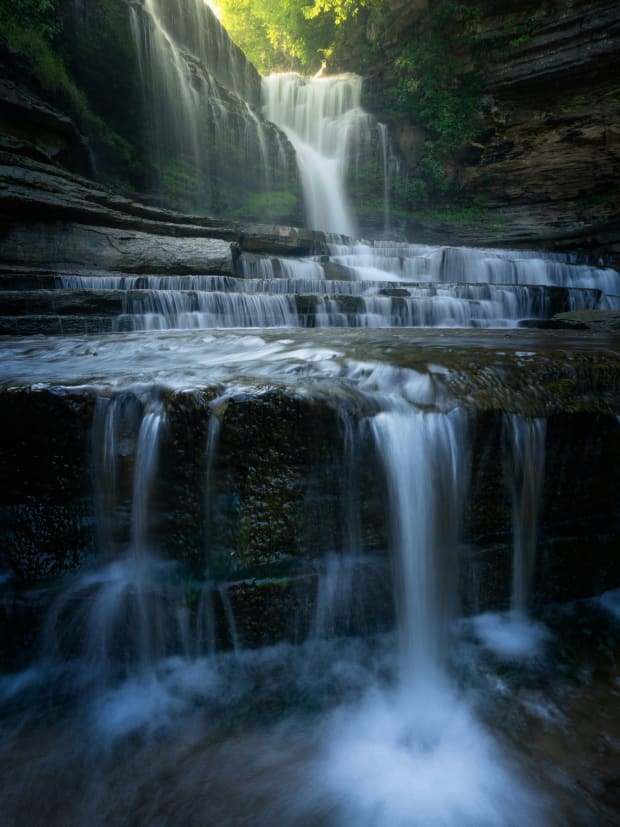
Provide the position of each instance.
(79, 245)
(547, 157)
(32, 126)
(256, 488)
(169, 104)
(553, 149)
(50, 215)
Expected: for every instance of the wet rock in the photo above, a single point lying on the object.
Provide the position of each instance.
(608, 320)
(254, 493)
(269, 611)
(277, 466)
(127, 251)
(268, 238)
(42, 196)
(47, 510)
(33, 126)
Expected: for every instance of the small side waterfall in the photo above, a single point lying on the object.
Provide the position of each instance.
(110, 618)
(526, 466)
(333, 138)
(145, 475)
(514, 635)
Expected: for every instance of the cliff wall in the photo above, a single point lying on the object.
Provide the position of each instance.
(541, 166)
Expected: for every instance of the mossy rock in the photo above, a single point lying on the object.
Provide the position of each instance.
(46, 492)
(277, 455)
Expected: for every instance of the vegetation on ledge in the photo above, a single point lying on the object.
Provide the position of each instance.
(35, 29)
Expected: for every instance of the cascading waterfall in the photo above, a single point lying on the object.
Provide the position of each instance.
(415, 755)
(324, 459)
(148, 657)
(333, 136)
(145, 474)
(112, 617)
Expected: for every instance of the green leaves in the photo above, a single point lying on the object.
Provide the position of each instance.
(37, 15)
(431, 91)
(288, 34)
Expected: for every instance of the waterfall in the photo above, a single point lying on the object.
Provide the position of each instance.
(145, 476)
(424, 459)
(514, 635)
(112, 617)
(526, 466)
(333, 138)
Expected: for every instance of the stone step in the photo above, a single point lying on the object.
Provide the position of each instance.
(459, 305)
(46, 325)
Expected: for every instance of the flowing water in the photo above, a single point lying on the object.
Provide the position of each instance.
(514, 634)
(332, 136)
(207, 143)
(356, 285)
(434, 723)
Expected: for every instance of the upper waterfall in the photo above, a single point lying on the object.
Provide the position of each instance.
(335, 140)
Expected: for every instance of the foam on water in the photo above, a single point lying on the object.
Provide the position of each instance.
(421, 759)
(511, 635)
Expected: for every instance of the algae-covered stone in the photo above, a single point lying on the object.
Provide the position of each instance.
(274, 449)
(46, 496)
(183, 474)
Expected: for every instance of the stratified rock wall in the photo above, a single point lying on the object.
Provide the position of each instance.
(546, 161)
(552, 151)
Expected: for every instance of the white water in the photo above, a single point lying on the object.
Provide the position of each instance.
(372, 733)
(425, 460)
(331, 133)
(416, 755)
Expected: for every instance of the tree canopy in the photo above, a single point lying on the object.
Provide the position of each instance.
(287, 34)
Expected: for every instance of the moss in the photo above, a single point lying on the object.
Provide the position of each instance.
(183, 475)
(608, 200)
(273, 449)
(276, 207)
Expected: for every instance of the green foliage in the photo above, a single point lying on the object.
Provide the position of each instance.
(290, 34)
(34, 28)
(430, 90)
(180, 183)
(30, 26)
(512, 32)
(38, 16)
(46, 64)
(464, 215)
